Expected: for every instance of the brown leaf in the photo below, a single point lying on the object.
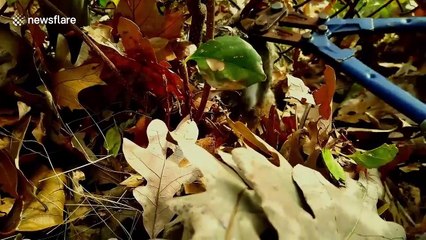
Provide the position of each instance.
(249, 138)
(291, 150)
(39, 132)
(324, 95)
(9, 176)
(152, 24)
(67, 84)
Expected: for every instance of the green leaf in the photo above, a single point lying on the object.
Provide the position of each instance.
(103, 3)
(11, 2)
(113, 140)
(376, 157)
(333, 166)
(229, 63)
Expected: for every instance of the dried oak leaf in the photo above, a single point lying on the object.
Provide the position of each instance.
(227, 210)
(163, 174)
(68, 83)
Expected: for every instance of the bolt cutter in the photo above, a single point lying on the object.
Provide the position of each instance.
(272, 21)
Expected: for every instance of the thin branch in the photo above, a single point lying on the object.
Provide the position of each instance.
(352, 10)
(198, 17)
(339, 11)
(183, 72)
(210, 19)
(203, 103)
(299, 5)
(209, 35)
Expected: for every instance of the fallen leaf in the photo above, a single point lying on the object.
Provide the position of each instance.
(68, 83)
(244, 133)
(78, 143)
(227, 210)
(152, 24)
(164, 177)
(377, 157)
(113, 141)
(327, 217)
(23, 109)
(6, 205)
(134, 180)
(78, 190)
(298, 90)
(324, 95)
(39, 132)
(9, 176)
(333, 166)
(362, 105)
(135, 44)
(51, 192)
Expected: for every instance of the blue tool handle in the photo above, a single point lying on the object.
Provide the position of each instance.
(380, 25)
(345, 61)
(384, 89)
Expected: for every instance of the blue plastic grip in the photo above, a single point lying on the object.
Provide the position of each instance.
(345, 61)
(380, 25)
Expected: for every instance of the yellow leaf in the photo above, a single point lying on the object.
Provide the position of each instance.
(51, 193)
(68, 83)
(6, 205)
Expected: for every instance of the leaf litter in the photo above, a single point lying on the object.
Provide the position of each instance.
(90, 151)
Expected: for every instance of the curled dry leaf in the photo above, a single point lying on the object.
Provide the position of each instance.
(163, 175)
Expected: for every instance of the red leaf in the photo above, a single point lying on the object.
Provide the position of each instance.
(152, 24)
(324, 95)
(148, 74)
(136, 46)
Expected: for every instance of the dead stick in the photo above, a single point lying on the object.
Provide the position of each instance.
(209, 35)
(210, 19)
(198, 17)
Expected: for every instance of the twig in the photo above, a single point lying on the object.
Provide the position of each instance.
(198, 17)
(305, 116)
(299, 5)
(339, 11)
(352, 11)
(183, 72)
(203, 103)
(167, 101)
(210, 19)
(209, 35)
(235, 5)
